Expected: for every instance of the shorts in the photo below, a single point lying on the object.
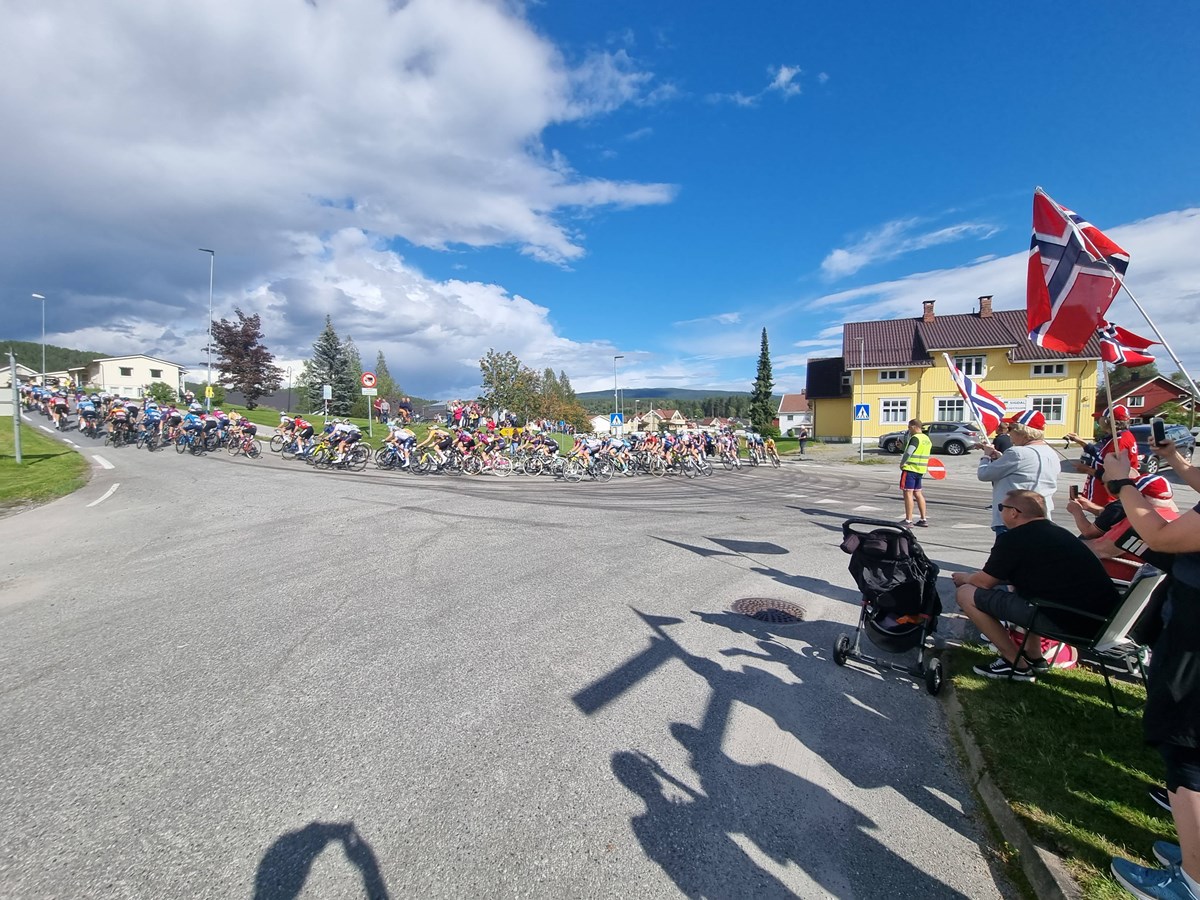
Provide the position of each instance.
(1183, 766)
(306, 433)
(1005, 605)
(60, 408)
(174, 421)
(910, 481)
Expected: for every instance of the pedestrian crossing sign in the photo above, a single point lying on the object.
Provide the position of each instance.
(616, 419)
(862, 412)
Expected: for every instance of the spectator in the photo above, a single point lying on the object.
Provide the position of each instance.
(1003, 440)
(378, 407)
(802, 438)
(1112, 536)
(1030, 464)
(1039, 559)
(1091, 463)
(1171, 720)
(913, 466)
(385, 410)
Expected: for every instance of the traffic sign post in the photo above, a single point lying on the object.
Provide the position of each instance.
(862, 412)
(615, 421)
(368, 379)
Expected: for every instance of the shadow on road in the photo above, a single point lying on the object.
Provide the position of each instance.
(284, 868)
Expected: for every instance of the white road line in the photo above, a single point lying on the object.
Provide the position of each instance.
(112, 490)
(865, 509)
(104, 463)
(968, 525)
(794, 496)
(44, 428)
(71, 442)
(828, 502)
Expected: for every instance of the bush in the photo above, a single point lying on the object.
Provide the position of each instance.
(161, 393)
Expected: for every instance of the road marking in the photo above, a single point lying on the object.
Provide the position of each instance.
(969, 525)
(865, 509)
(826, 502)
(112, 490)
(794, 496)
(44, 428)
(71, 442)
(104, 463)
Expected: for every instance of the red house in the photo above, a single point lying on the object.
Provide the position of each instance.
(1145, 397)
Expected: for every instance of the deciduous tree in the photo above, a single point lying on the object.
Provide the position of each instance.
(244, 362)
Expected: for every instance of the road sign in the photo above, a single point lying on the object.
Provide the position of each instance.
(370, 392)
(936, 469)
(208, 391)
(368, 379)
(862, 412)
(616, 419)
(327, 392)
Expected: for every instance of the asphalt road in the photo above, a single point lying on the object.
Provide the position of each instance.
(229, 678)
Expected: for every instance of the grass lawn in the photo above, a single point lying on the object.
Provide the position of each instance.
(48, 469)
(1074, 773)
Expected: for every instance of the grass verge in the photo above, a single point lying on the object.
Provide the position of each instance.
(1074, 773)
(48, 469)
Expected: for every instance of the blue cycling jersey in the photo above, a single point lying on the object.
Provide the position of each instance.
(192, 419)
(152, 415)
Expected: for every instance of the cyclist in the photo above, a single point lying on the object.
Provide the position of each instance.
(171, 421)
(192, 423)
(402, 438)
(770, 449)
(346, 433)
(439, 438)
(58, 407)
(151, 418)
(117, 418)
(302, 432)
(87, 416)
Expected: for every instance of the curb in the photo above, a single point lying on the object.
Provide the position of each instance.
(1045, 870)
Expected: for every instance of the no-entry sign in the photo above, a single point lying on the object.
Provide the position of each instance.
(368, 379)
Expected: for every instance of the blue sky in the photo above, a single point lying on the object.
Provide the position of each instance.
(573, 181)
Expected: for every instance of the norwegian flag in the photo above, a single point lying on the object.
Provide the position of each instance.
(987, 409)
(1072, 278)
(1123, 348)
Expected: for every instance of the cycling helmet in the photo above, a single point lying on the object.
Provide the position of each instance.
(195, 407)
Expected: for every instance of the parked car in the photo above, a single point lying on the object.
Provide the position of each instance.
(1150, 464)
(954, 438)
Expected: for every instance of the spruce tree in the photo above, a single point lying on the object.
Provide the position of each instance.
(762, 411)
(384, 381)
(330, 365)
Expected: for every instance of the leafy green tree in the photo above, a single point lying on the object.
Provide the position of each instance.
(161, 393)
(1121, 374)
(330, 365)
(244, 362)
(384, 381)
(762, 411)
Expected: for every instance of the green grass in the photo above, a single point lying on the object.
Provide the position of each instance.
(1074, 773)
(48, 469)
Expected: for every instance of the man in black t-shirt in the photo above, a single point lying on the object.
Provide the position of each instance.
(1040, 560)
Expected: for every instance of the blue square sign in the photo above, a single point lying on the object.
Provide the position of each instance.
(862, 412)
(616, 419)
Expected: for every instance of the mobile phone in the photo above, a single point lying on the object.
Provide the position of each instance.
(1074, 491)
(1160, 430)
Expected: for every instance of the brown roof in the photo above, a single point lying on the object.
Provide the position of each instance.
(793, 403)
(912, 343)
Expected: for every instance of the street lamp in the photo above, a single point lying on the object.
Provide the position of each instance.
(43, 299)
(212, 262)
(861, 386)
(289, 406)
(616, 408)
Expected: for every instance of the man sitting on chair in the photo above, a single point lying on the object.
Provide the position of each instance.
(1041, 561)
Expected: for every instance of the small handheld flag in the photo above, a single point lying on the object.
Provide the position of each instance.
(1123, 348)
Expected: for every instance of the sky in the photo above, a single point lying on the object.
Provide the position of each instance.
(577, 181)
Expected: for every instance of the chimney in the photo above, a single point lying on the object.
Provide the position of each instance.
(928, 314)
(985, 307)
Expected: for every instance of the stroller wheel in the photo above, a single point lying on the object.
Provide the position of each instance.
(933, 676)
(841, 650)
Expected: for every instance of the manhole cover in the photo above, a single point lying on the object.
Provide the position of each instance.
(776, 612)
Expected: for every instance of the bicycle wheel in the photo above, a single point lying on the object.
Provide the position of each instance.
(288, 451)
(658, 466)
(322, 459)
(573, 470)
(234, 448)
(689, 468)
(357, 458)
(532, 465)
(603, 471)
(472, 465)
(706, 468)
(774, 461)
(502, 466)
(253, 449)
(278, 442)
(181, 444)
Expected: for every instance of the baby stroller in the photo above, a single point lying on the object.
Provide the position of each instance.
(900, 602)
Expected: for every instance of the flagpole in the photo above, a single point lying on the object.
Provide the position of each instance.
(1096, 252)
(971, 403)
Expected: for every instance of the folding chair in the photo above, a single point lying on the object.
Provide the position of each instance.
(1111, 644)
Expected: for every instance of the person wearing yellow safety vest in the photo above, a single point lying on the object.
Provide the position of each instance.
(913, 466)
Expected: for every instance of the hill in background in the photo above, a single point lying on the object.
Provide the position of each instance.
(29, 353)
(662, 393)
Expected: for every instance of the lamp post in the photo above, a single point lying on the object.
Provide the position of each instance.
(289, 374)
(212, 262)
(861, 388)
(616, 407)
(43, 299)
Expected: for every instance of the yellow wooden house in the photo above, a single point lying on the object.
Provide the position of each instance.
(895, 368)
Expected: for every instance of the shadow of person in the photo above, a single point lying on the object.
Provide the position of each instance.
(285, 866)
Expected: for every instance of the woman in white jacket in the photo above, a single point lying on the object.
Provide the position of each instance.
(1030, 464)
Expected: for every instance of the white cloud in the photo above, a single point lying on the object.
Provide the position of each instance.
(726, 318)
(784, 81)
(894, 239)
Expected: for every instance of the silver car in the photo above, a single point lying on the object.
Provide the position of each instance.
(954, 438)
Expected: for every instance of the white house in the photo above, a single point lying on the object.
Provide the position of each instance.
(130, 376)
(794, 412)
(24, 374)
(599, 424)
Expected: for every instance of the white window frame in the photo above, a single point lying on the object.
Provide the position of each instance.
(976, 365)
(1136, 401)
(893, 374)
(962, 405)
(1062, 404)
(1057, 370)
(907, 404)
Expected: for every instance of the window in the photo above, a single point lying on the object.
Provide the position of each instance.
(1050, 407)
(156, 373)
(893, 375)
(975, 366)
(126, 370)
(894, 411)
(1135, 401)
(1048, 370)
(847, 379)
(948, 409)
